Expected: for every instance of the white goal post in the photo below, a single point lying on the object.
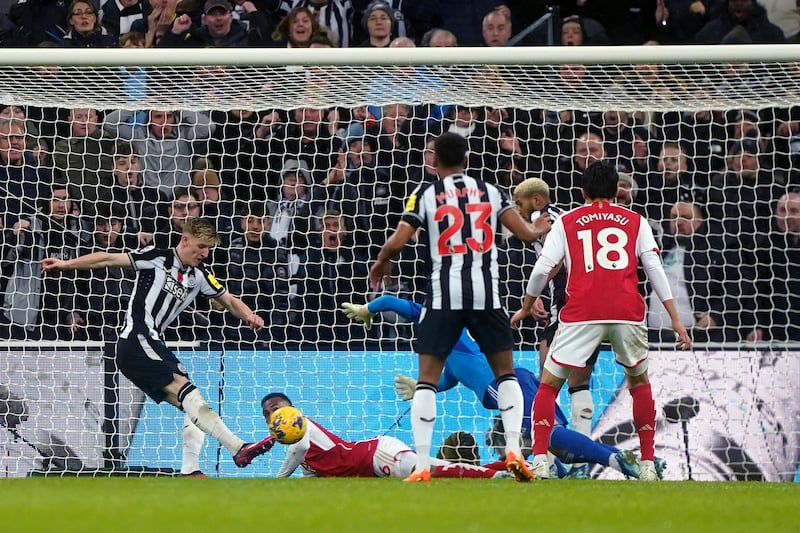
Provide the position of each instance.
(730, 410)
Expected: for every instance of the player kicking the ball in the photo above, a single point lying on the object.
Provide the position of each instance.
(321, 453)
(601, 245)
(167, 282)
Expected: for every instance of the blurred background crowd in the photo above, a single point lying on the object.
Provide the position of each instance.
(304, 198)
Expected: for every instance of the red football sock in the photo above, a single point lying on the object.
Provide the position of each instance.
(461, 470)
(497, 465)
(543, 415)
(644, 418)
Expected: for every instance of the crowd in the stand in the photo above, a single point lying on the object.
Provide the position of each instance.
(305, 198)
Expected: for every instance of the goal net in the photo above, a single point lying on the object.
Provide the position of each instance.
(304, 159)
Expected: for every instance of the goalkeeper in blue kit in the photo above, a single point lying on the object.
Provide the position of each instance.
(467, 365)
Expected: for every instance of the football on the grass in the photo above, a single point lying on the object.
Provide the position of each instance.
(287, 425)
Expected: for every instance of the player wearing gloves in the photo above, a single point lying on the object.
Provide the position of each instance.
(467, 365)
(321, 453)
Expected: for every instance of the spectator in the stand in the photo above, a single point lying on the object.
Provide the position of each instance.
(121, 16)
(740, 22)
(494, 144)
(39, 21)
(334, 273)
(291, 221)
(85, 28)
(783, 13)
(22, 183)
(214, 203)
(628, 195)
(103, 294)
(673, 181)
(296, 29)
(705, 132)
(464, 18)
(127, 194)
(81, 155)
(778, 259)
(740, 199)
(37, 306)
(678, 21)
(219, 29)
(158, 22)
(232, 150)
(263, 270)
(578, 30)
(714, 292)
(367, 196)
(165, 142)
(795, 39)
(406, 83)
(565, 188)
(379, 22)
(617, 137)
(496, 28)
(183, 207)
(307, 137)
(394, 141)
(334, 14)
(572, 33)
(439, 38)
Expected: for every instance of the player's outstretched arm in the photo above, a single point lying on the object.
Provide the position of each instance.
(241, 310)
(524, 231)
(87, 262)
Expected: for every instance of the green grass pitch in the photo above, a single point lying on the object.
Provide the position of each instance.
(116, 505)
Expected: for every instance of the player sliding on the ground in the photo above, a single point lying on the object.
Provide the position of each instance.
(322, 453)
(167, 281)
(466, 364)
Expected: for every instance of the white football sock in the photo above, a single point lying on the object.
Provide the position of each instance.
(193, 439)
(582, 411)
(509, 401)
(209, 422)
(423, 417)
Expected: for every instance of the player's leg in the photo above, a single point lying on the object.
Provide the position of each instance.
(423, 408)
(629, 343)
(582, 405)
(570, 349)
(492, 332)
(152, 367)
(437, 333)
(193, 438)
(571, 447)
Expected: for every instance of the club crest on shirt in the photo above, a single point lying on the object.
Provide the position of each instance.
(191, 280)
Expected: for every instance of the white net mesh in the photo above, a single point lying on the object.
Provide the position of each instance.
(133, 151)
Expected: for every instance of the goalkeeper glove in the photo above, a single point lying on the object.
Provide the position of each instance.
(358, 313)
(404, 386)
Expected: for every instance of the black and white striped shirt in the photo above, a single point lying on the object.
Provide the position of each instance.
(557, 286)
(461, 216)
(335, 14)
(164, 287)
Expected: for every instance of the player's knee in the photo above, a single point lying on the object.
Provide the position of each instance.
(637, 375)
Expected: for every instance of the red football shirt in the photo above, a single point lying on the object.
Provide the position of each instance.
(600, 244)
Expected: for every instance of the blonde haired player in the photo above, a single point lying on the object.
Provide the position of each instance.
(167, 281)
(532, 197)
